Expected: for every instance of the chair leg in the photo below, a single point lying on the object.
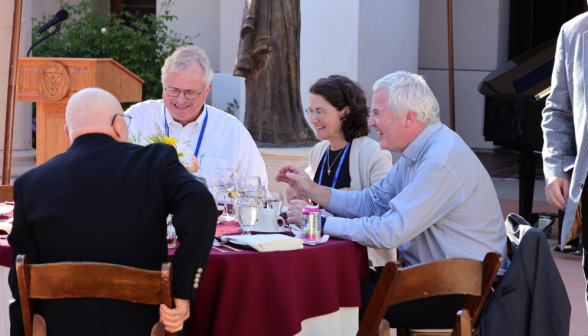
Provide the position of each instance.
(384, 329)
(463, 325)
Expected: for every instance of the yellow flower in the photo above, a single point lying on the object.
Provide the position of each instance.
(170, 140)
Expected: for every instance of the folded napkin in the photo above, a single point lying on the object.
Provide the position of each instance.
(6, 226)
(266, 243)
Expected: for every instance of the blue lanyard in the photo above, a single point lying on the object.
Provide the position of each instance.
(338, 167)
(201, 131)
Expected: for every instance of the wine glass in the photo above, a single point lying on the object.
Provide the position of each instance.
(248, 210)
(225, 180)
(248, 186)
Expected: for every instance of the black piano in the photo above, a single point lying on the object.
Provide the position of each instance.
(515, 98)
(516, 91)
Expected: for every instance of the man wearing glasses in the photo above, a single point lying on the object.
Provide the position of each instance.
(217, 139)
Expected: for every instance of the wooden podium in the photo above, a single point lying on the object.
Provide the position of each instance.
(51, 81)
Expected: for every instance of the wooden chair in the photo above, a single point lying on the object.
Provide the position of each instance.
(442, 277)
(89, 280)
(6, 193)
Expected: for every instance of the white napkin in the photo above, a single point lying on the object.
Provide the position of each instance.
(298, 234)
(6, 226)
(267, 243)
(4, 209)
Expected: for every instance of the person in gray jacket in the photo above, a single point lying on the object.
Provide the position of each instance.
(565, 129)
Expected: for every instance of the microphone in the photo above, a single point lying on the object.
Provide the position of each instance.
(61, 15)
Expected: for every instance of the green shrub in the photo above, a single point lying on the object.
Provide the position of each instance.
(139, 44)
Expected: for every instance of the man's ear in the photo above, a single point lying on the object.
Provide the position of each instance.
(117, 127)
(410, 118)
(206, 91)
(66, 131)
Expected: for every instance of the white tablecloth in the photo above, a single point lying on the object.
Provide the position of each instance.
(4, 299)
(343, 322)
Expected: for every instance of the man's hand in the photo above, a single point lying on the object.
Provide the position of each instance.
(292, 195)
(296, 178)
(295, 211)
(557, 191)
(173, 319)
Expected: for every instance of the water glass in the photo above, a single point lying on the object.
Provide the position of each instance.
(274, 200)
(248, 186)
(171, 233)
(248, 211)
(225, 181)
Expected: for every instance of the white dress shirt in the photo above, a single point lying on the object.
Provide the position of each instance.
(226, 143)
(437, 202)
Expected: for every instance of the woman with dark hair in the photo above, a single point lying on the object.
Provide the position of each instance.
(345, 158)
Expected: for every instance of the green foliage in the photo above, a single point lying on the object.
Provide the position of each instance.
(139, 44)
(157, 137)
(232, 107)
(135, 139)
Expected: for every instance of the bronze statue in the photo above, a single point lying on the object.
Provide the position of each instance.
(269, 59)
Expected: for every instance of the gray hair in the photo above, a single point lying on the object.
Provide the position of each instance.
(183, 58)
(409, 92)
(89, 107)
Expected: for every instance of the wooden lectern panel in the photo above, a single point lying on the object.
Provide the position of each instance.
(50, 82)
(122, 84)
(103, 73)
(51, 139)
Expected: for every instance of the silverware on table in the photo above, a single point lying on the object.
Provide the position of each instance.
(223, 251)
(217, 243)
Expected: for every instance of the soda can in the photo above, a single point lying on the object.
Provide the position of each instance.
(311, 223)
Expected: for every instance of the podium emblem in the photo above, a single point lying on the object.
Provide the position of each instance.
(53, 81)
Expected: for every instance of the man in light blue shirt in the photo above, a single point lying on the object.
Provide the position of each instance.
(437, 202)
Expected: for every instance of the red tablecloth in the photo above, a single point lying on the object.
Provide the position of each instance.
(270, 293)
(5, 249)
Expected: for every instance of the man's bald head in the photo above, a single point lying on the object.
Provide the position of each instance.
(91, 110)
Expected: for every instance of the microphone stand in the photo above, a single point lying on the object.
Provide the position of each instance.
(57, 30)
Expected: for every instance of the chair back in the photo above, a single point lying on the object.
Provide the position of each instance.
(6, 193)
(441, 277)
(88, 280)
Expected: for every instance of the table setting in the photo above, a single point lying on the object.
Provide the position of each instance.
(6, 218)
(261, 277)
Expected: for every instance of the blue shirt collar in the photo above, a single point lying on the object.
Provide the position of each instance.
(414, 148)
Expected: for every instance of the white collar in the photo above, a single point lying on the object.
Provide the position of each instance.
(170, 120)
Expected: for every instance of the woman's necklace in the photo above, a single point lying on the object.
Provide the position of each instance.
(329, 160)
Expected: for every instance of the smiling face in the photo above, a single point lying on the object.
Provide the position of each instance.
(393, 132)
(329, 126)
(181, 109)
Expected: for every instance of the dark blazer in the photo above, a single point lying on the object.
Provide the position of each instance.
(531, 298)
(106, 201)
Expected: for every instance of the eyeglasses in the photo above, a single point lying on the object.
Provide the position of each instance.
(175, 92)
(318, 114)
(128, 119)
